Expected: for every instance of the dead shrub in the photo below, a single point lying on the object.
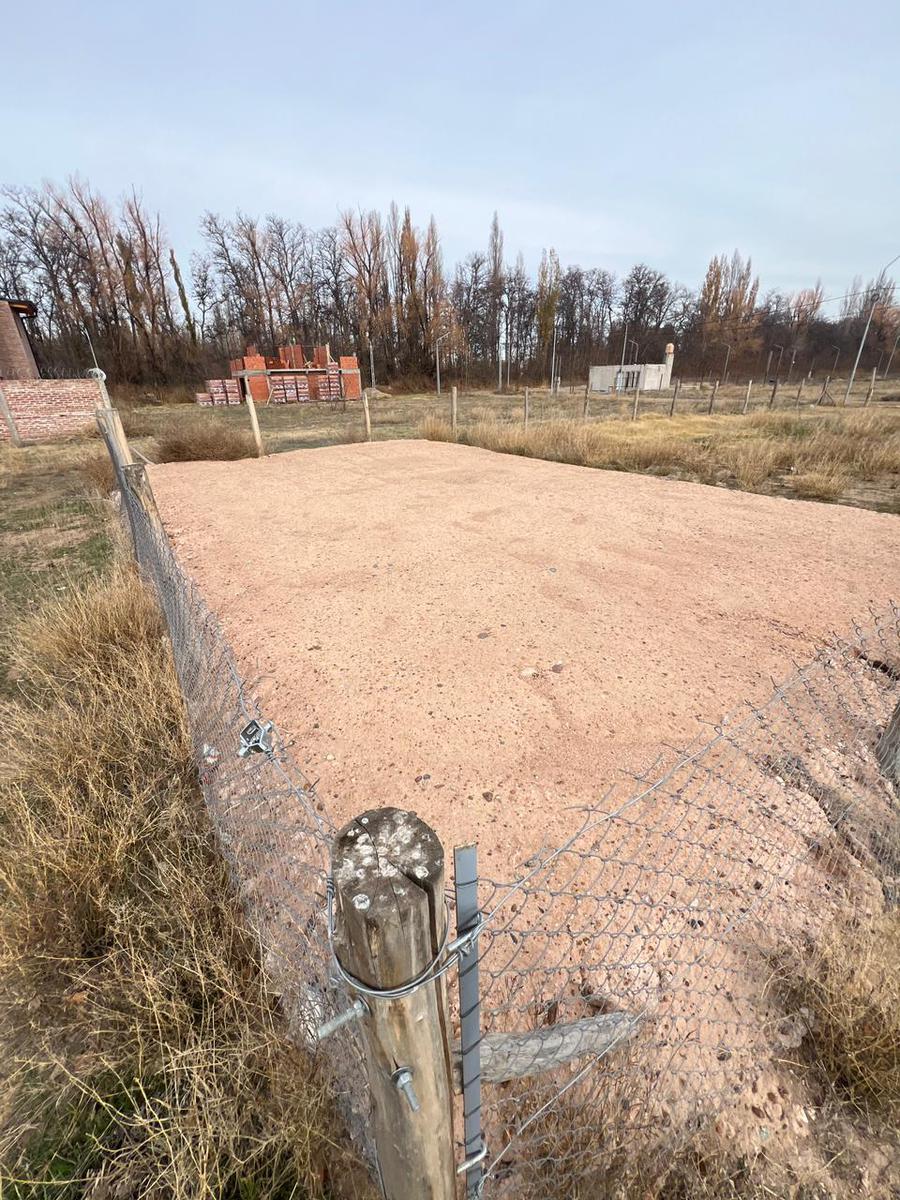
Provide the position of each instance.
(206, 439)
(143, 1050)
(99, 473)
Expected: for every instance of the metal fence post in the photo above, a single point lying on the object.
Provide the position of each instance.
(468, 917)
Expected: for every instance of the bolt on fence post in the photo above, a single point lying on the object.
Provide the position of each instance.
(389, 927)
(453, 412)
(468, 916)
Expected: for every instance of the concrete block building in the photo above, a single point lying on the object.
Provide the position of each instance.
(648, 377)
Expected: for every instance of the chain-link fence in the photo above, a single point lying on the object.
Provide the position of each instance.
(625, 974)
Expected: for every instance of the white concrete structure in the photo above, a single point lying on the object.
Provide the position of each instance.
(649, 377)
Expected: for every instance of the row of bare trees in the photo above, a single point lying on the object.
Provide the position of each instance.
(107, 281)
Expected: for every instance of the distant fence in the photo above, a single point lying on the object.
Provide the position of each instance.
(613, 989)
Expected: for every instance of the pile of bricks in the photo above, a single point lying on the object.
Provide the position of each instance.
(318, 378)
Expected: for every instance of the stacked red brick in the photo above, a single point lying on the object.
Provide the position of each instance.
(289, 389)
(222, 391)
(40, 410)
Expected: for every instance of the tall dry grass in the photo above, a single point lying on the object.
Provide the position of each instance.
(142, 1052)
(204, 438)
(815, 455)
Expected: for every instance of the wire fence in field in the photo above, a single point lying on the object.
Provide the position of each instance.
(271, 826)
(660, 918)
(624, 973)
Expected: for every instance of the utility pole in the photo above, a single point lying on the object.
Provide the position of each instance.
(862, 340)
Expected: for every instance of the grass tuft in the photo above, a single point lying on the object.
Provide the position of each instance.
(204, 438)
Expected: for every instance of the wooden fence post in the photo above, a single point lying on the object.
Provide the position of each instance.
(453, 410)
(390, 924)
(774, 393)
(712, 398)
(585, 408)
(254, 423)
(526, 408)
(871, 390)
(365, 404)
(824, 391)
(637, 396)
(747, 397)
(674, 397)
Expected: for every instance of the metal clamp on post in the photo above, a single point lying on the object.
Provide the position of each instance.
(253, 738)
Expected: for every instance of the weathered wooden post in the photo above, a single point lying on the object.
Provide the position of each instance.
(747, 397)
(824, 391)
(712, 398)
(774, 393)
(365, 404)
(389, 928)
(254, 423)
(586, 407)
(526, 408)
(637, 396)
(871, 390)
(453, 410)
(674, 398)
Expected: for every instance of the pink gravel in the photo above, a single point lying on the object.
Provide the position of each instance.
(490, 640)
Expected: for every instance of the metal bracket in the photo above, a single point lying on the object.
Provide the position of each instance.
(253, 739)
(468, 1163)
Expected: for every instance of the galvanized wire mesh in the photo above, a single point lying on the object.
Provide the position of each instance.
(271, 826)
(660, 919)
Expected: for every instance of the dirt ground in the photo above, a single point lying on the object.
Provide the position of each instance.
(491, 640)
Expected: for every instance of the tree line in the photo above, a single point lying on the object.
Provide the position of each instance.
(108, 284)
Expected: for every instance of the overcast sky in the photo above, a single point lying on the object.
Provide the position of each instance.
(638, 131)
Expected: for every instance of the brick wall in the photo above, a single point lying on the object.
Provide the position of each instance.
(45, 409)
(16, 359)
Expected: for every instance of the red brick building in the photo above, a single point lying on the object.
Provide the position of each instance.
(34, 409)
(16, 355)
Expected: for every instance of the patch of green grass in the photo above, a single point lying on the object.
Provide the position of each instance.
(53, 535)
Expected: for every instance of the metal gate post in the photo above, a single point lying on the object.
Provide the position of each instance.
(468, 918)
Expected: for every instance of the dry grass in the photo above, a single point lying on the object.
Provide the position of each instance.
(98, 472)
(204, 438)
(813, 455)
(142, 1050)
(827, 484)
(850, 984)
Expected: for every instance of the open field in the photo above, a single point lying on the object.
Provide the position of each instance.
(490, 639)
(855, 459)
